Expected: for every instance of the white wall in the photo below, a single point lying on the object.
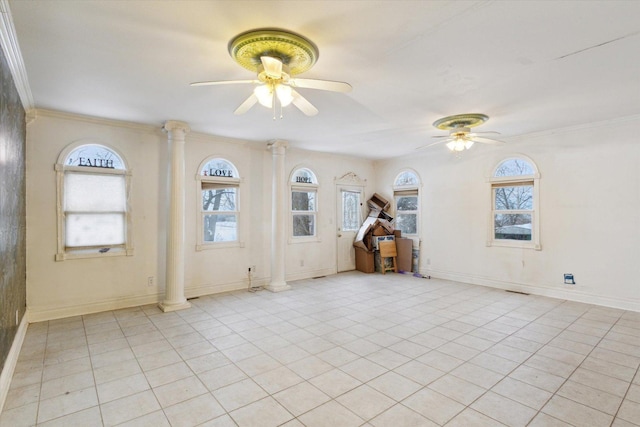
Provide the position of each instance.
(589, 214)
(78, 286)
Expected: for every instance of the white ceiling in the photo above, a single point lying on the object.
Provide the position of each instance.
(532, 66)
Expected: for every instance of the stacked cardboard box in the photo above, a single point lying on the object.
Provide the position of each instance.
(379, 223)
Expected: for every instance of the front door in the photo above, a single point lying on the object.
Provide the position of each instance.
(349, 216)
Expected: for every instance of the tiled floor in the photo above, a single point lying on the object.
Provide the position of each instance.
(345, 350)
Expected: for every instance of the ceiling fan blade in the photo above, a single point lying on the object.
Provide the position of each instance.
(422, 147)
(223, 82)
(305, 106)
(272, 66)
(246, 105)
(330, 85)
(441, 136)
(486, 140)
(485, 132)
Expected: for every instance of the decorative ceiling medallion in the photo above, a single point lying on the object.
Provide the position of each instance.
(294, 50)
(460, 121)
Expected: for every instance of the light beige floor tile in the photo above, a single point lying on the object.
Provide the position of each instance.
(365, 401)
(66, 404)
(310, 367)
(400, 415)
(116, 371)
(239, 394)
(278, 379)
(155, 419)
(221, 377)
(433, 405)
(387, 358)
(634, 393)
(395, 385)
(301, 398)
(90, 417)
(112, 357)
(544, 420)
(362, 347)
(440, 361)
(222, 421)
(600, 381)
(494, 363)
(537, 378)
(477, 375)
(129, 408)
(194, 411)
(575, 413)
(22, 416)
(331, 414)
(67, 384)
(63, 369)
(592, 397)
(259, 364)
(522, 392)
(22, 396)
(551, 366)
(457, 389)
(505, 410)
(168, 374)
(419, 372)
(472, 418)
(363, 369)
(290, 354)
(266, 412)
(335, 382)
(178, 391)
(630, 411)
(122, 387)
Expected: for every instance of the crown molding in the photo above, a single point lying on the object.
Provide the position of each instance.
(11, 49)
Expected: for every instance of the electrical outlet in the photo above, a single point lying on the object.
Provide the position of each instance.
(151, 281)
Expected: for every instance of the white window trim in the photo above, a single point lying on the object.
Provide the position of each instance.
(299, 186)
(201, 245)
(534, 243)
(63, 253)
(408, 188)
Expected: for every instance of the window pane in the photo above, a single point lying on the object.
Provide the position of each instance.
(94, 229)
(518, 197)
(407, 223)
(93, 155)
(514, 167)
(220, 228)
(406, 178)
(94, 193)
(220, 199)
(407, 203)
(304, 225)
(350, 210)
(303, 200)
(512, 226)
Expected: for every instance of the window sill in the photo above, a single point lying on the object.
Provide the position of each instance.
(219, 245)
(93, 253)
(515, 244)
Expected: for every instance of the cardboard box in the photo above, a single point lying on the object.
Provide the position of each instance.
(397, 233)
(404, 259)
(364, 261)
(367, 225)
(377, 239)
(378, 203)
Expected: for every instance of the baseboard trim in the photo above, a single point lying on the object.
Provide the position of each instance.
(541, 290)
(12, 360)
(311, 274)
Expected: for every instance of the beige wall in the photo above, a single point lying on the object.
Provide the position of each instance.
(64, 288)
(589, 214)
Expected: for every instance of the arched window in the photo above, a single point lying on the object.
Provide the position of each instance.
(406, 197)
(304, 203)
(93, 203)
(219, 198)
(514, 201)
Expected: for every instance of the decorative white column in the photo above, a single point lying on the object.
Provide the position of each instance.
(278, 217)
(174, 298)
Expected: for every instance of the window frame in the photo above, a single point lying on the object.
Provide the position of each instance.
(305, 187)
(61, 168)
(403, 190)
(515, 181)
(236, 182)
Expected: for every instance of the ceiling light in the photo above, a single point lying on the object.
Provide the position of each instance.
(264, 95)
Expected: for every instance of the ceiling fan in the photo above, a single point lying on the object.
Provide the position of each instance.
(276, 56)
(460, 137)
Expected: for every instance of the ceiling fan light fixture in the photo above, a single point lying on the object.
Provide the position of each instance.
(264, 95)
(284, 93)
(468, 144)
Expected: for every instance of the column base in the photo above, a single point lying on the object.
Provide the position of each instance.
(278, 286)
(167, 306)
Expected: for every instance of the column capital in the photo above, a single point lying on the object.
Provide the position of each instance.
(171, 126)
(278, 145)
